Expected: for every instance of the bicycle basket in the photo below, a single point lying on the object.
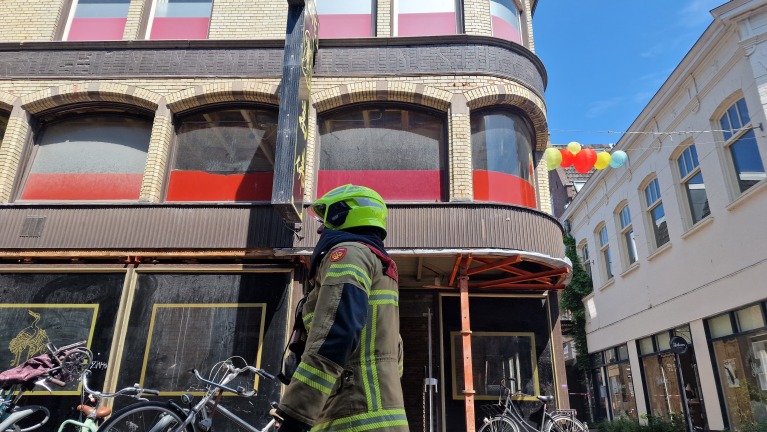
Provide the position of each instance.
(492, 410)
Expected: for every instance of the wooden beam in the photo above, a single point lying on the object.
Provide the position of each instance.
(468, 371)
(527, 286)
(419, 269)
(523, 278)
(455, 269)
(493, 265)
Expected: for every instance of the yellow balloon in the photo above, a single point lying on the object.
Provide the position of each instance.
(603, 160)
(553, 158)
(574, 147)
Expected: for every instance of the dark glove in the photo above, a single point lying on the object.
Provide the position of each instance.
(286, 423)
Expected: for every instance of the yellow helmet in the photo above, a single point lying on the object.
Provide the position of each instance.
(350, 206)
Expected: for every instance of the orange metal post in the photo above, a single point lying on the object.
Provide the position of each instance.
(468, 374)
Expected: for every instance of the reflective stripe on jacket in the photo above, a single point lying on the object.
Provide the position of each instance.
(349, 375)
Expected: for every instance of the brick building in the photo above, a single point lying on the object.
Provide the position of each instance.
(137, 172)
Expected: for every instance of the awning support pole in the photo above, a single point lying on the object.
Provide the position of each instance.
(468, 374)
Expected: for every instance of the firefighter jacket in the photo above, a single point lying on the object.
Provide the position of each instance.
(348, 378)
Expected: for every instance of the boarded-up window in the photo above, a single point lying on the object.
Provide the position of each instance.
(224, 155)
(92, 157)
(399, 152)
(180, 321)
(502, 156)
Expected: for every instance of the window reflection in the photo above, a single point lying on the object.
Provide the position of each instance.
(747, 161)
(224, 155)
(502, 146)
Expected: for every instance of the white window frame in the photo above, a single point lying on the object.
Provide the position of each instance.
(586, 260)
(629, 254)
(648, 211)
(682, 181)
(732, 175)
(603, 240)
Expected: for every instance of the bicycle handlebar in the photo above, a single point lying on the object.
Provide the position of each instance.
(233, 373)
(100, 395)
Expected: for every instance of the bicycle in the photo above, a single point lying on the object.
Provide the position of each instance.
(507, 417)
(58, 367)
(96, 414)
(172, 417)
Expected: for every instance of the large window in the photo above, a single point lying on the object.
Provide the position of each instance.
(613, 382)
(345, 18)
(740, 348)
(224, 155)
(741, 144)
(671, 380)
(506, 20)
(627, 234)
(657, 215)
(180, 19)
(97, 20)
(692, 184)
(426, 18)
(399, 152)
(502, 156)
(88, 157)
(604, 248)
(496, 356)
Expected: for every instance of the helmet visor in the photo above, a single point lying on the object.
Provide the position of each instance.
(318, 211)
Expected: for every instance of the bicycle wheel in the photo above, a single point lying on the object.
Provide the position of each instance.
(499, 424)
(30, 417)
(146, 417)
(564, 424)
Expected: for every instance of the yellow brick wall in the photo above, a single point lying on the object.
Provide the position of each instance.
(544, 191)
(248, 19)
(476, 17)
(384, 18)
(137, 11)
(27, 21)
(528, 25)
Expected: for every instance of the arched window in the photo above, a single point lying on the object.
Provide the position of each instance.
(656, 214)
(427, 18)
(506, 20)
(398, 151)
(604, 249)
(740, 141)
(224, 154)
(502, 156)
(627, 235)
(3, 124)
(692, 185)
(88, 156)
(345, 18)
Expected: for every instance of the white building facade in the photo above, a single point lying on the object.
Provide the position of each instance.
(676, 240)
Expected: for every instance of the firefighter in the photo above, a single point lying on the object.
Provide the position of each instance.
(348, 377)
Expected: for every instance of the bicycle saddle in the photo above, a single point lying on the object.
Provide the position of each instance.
(101, 412)
(546, 399)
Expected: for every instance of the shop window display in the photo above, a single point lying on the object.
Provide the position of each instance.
(741, 364)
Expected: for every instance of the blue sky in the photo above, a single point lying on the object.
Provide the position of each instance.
(606, 59)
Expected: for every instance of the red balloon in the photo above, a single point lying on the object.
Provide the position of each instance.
(585, 160)
(567, 158)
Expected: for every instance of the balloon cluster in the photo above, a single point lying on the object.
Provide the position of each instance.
(583, 160)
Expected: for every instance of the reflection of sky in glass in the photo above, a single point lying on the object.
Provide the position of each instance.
(183, 8)
(343, 7)
(426, 6)
(696, 194)
(102, 9)
(506, 10)
(747, 160)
